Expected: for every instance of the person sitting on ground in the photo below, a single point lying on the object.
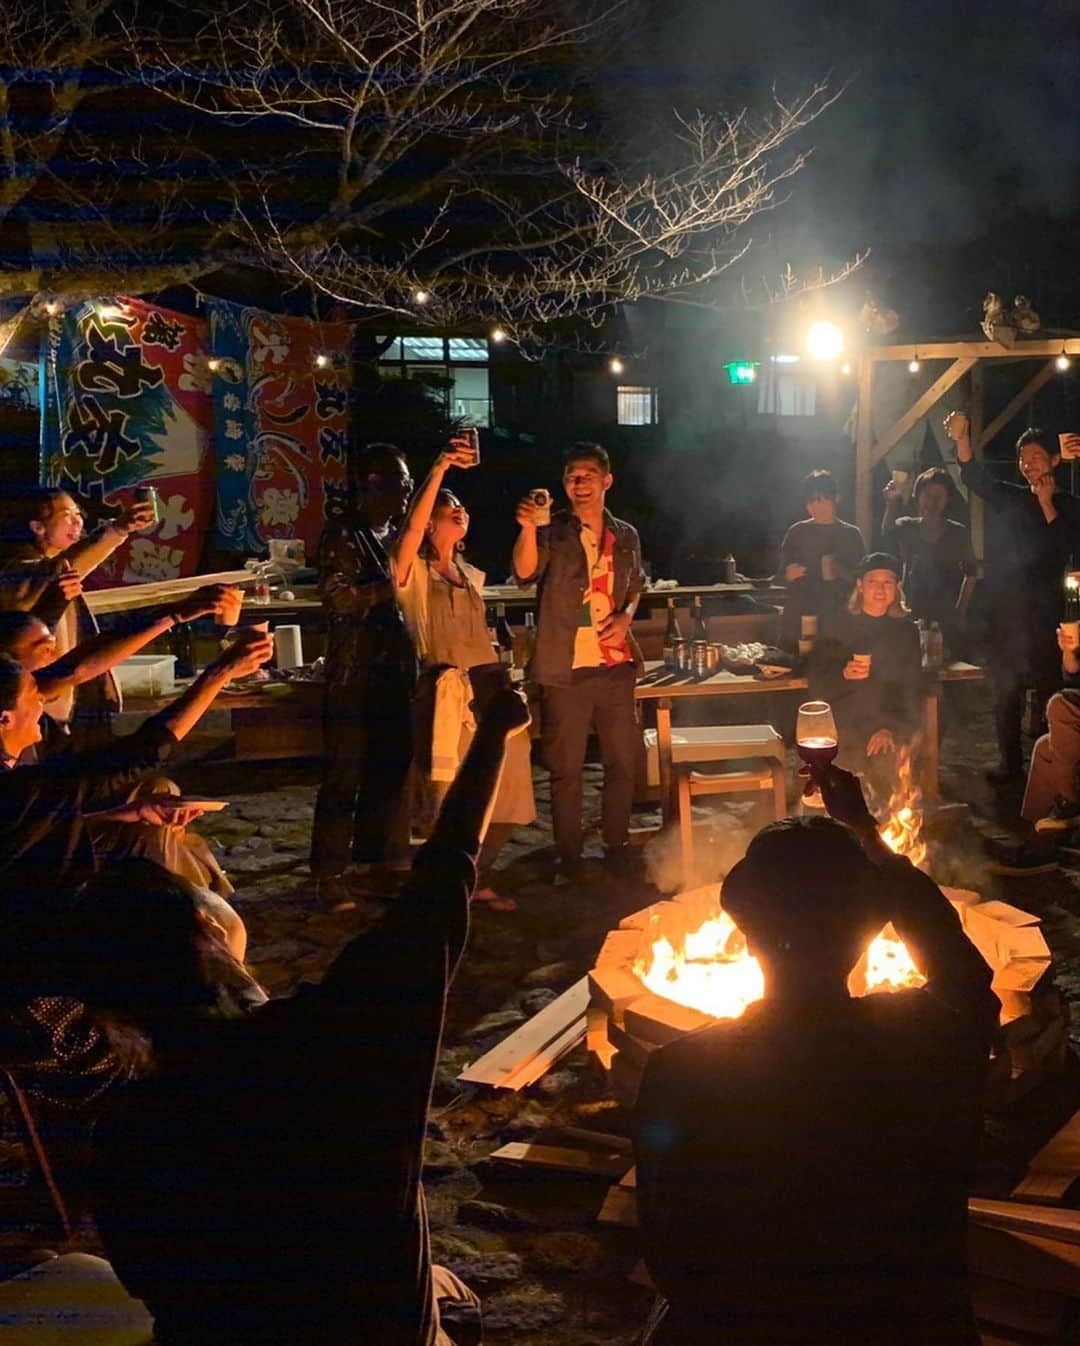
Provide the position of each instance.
(42, 556)
(818, 557)
(867, 664)
(441, 596)
(45, 847)
(802, 1171)
(258, 1183)
(939, 561)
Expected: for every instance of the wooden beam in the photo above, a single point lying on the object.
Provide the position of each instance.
(1042, 1221)
(976, 417)
(981, 437)
(542, 1039)
(864, 440)
(918, 410)
(977, 350)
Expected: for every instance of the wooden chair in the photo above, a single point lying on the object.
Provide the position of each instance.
(692, 745)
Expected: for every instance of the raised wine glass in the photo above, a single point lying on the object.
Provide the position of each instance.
(815, 736)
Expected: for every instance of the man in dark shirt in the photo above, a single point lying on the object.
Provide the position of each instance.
(370, 678)
(802, 1170)
(867, 664)
(939, 562)
(260, 1184)
(818, 557)
(1043, 525)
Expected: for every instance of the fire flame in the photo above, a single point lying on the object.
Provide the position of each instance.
(714, 971)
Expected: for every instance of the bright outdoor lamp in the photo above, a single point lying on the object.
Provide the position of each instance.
(824, 341)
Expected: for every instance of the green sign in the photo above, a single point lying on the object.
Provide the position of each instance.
(742, 371)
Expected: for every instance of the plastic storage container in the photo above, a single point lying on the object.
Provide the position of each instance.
(147, 675)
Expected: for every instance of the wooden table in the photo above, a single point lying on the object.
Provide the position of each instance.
(664, 688)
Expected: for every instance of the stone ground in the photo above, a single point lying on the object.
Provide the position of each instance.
(530, 1245)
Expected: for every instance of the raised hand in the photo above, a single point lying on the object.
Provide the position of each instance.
(243, 658)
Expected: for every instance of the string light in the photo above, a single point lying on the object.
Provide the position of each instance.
(498, 334)
(616, 365)
(421, 296)
(845, 368)
(913, 367)
(1063, 362)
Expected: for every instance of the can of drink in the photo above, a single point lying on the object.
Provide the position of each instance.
(149, 495)
(727, 569)
(699, 658)
(472, 434)
(541, 498)
(681, 652)
(715, 658)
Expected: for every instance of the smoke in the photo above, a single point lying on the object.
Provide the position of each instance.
(719, 844)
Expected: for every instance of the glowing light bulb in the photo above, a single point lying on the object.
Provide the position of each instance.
(824, 341)
(213, 364)
(913, 367)
(498, 334)
(1063, 362)
(616, 365)
(421, 296)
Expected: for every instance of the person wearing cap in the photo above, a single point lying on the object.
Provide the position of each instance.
(818, 557)
(802, 1171)
(867, 664)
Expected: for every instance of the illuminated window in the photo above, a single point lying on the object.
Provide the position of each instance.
(637, 406)
(454, 370)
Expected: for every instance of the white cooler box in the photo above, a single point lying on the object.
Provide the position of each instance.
(147, 675)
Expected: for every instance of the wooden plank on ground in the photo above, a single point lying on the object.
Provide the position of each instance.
(1055, 1168)
(561, 1159)
(542, 1062)
(1042, 1221)
(526, 1043)
(619, 1208)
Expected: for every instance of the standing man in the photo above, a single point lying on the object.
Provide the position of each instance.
(360, 813)
(1029, 594)
(587, 568)
(818, 557)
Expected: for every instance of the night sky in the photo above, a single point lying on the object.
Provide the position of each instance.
(952, 155)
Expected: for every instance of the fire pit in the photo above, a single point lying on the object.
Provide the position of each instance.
(682, 964)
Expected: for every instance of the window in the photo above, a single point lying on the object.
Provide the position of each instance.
(786, 392)
(459, 366)
(637, 406)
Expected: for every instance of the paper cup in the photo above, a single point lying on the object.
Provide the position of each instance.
(862, 661)
(1071, 632)
(229, 612)
(899, 476)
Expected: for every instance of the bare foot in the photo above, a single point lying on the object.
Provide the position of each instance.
(494, 900)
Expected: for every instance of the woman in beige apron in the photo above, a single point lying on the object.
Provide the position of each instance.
(441, 597)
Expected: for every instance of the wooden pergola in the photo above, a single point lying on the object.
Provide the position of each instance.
(965, 357)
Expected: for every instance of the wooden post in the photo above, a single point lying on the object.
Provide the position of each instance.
(864, 442)
(975, 502)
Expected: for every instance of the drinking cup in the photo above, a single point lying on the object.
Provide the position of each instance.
(862, 661)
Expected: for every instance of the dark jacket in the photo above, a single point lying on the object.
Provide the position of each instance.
(367, 644)
(262, 1186)
(890, 698)
(802, 1177)
(561, 579)
(44, 848)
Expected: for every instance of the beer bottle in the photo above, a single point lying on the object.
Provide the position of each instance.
(699, 642)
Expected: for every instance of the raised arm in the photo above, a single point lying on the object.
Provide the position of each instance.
(238, 661)
(956, 973)
(89, 552)
(458, 453)
(91, 658)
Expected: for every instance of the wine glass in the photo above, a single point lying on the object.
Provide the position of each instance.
(815, 736)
